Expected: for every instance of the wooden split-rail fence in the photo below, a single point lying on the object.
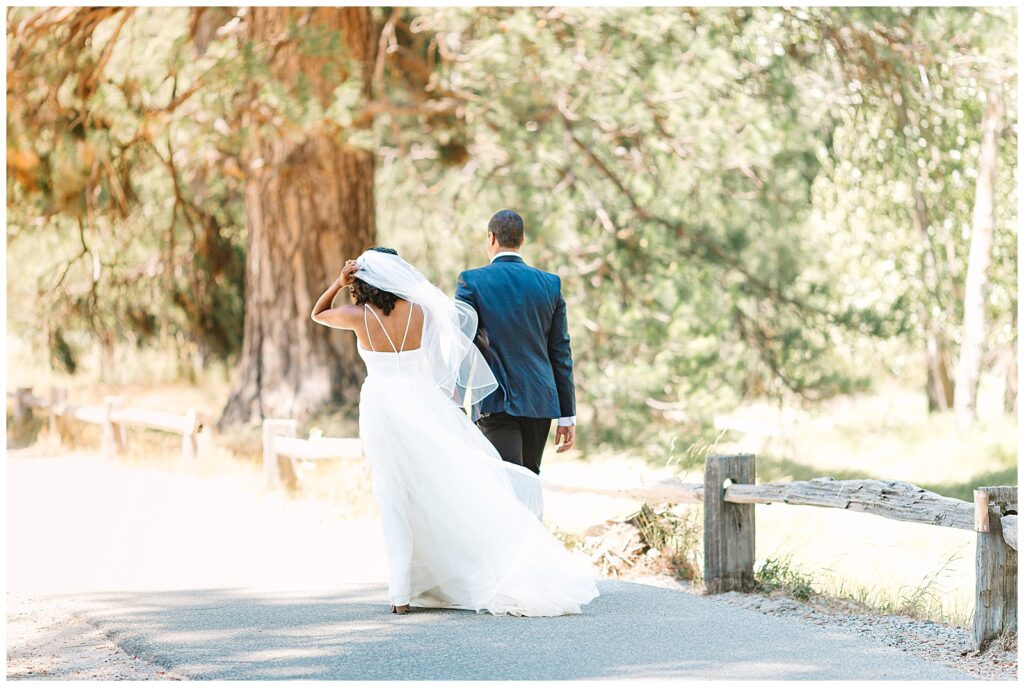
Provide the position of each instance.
(728, 494)
(114, 419)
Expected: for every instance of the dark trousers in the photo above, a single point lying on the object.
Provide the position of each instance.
(519, 440)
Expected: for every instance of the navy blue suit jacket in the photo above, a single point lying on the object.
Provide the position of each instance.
(524, 336)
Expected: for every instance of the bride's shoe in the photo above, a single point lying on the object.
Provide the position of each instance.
(400, 610)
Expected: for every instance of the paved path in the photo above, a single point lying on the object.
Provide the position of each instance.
(212, 579)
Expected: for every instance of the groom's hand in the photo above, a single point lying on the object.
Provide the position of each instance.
(565, 436)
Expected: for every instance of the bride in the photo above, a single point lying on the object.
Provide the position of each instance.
(461, 526)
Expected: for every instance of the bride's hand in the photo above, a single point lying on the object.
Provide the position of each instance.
(347, 272)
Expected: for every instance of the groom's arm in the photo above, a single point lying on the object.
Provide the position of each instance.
(463, 291)
(560, 354)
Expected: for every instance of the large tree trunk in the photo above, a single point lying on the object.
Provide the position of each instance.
(309, 205)
(972, 341)
(939, 384)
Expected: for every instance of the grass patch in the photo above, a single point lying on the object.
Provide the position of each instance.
(570, 540)
(925, 600)
(921, 601)
(1005, 642)
(965, 490)
(915, 603)
(674, 536)
(780, 575)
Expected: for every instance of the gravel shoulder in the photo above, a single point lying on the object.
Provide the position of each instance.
(934, 642)
(47, 642)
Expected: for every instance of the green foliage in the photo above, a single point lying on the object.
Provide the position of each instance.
(682, 172)
(122, 177)
(62, 357)
(732, 196)
(779, 575)
(907, 141)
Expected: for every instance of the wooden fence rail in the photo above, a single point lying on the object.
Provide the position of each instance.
(729, 515)
(113, 417)
(282, 450)
(889, 499)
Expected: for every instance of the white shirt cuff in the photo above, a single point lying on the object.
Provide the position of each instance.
(567, 421)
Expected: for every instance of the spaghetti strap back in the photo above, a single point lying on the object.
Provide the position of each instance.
(383, 328)
(407, 323)
(366, 326)
(405, 336)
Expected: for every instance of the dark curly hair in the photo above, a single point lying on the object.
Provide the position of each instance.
(364, 293)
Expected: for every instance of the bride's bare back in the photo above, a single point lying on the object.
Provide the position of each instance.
(403, 322)
(386, 333)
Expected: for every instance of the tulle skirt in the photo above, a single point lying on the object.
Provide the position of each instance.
(461, 526)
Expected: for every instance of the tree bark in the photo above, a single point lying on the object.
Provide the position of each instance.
(965, 403)
(309, 205)
(939, 384)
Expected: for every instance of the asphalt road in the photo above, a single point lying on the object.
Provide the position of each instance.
(216, 584)
(630, 631)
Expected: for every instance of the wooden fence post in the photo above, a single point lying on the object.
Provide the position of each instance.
(21, 421)
(189, 447)
(113, 441)
(728, 527)
(271, 468)
(22, 410)
(995, 598)
(58, 423)
(204, 437)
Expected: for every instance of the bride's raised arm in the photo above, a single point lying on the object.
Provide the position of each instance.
(345, 316)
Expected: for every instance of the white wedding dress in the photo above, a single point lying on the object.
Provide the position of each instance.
(461, 526)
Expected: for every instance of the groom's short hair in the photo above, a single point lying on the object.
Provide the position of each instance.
(507, 227)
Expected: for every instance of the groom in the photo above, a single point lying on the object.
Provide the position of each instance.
(524, 336)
